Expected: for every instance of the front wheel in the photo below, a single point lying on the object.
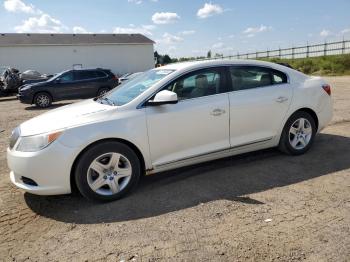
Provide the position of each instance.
(298, 134)
(42, 100)
(107, 171)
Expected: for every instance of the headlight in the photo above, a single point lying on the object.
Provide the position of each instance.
(36, 143)
(14, 136)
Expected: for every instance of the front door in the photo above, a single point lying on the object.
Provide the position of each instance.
(198, 124)
(63, 88)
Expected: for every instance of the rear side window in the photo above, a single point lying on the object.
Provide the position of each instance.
(99, 74)
(248, 77)
(84, 75)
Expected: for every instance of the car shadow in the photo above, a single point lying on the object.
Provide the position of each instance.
(53, 106)
(6, 99)
(232, 179)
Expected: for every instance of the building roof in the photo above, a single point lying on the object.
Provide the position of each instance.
(13, 39)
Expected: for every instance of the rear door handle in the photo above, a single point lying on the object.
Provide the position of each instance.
(281, 99)
(217, 112)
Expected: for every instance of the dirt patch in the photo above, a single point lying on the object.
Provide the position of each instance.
(258, 206)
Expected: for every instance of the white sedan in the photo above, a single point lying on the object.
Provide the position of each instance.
(166, 118)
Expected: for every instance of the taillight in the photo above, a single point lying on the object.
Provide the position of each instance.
(115, 78)
(327, 88)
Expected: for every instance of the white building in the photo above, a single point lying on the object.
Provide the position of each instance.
(53, 53)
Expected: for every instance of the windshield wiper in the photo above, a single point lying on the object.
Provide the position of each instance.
(106, 99)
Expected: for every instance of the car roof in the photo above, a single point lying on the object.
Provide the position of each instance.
(223, 62)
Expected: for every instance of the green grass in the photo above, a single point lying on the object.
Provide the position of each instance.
(335, 65)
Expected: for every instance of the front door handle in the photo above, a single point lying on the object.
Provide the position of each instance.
(217, 112)
(281, 99)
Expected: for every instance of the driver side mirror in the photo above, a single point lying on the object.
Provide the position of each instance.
(163, 97)
(58, 80)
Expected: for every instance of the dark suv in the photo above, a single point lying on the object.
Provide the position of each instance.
(72, 84)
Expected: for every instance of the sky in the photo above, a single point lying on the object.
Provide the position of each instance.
(188, 27)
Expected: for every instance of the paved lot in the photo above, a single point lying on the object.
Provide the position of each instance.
(255, 207)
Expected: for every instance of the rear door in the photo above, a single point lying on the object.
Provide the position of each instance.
(86, 84)
(258, 104)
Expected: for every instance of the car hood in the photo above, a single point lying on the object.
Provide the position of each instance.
(31, 85)
(76, 114)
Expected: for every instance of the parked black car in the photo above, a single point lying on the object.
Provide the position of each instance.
(71, 84)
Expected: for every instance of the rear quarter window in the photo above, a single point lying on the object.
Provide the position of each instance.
(99, 74)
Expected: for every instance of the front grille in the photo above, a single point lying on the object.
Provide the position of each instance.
(14, 136)
(28, 181)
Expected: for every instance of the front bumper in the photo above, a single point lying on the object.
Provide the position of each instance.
(50, 169)
(25, 98)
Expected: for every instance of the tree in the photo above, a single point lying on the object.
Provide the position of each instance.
(166, 59)
(209, 54)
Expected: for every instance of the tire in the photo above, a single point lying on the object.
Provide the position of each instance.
(298, 134)
(102, 91)
(107, 171)
(43, 100)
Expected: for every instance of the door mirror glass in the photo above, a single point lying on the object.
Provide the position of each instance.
(163, 97)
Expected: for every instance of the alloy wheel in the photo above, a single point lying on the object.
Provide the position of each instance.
(43, 100)
(109, 174)
(300, 133)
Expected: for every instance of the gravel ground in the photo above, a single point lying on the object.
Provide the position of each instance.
(262, 206)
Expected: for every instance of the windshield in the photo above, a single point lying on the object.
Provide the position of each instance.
(131, 89)
(55, 76)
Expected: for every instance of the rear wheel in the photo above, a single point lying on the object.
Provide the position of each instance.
(298, 134)
(107, 171)
(42, 100)
(102, 91)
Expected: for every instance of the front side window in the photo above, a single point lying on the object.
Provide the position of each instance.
(67, 77)
(248, 77)
(131, 89)
(197, 84)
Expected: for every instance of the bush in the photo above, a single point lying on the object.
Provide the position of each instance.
(327, 65)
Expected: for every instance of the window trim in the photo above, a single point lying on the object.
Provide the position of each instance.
(258, 66)
(224, 67)
(221, 69)
(67, 82)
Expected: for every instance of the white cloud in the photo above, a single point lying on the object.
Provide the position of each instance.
(170, 39)
(80, 30)
(165, 18)
(135, 1)
(187, 32)
(325, 33)
(41, 24)
(138, 2)
(17, 6)
(208, 10)
(252, 31)
(218, 45)
(132, 29)
(345, 31)
(149, 27)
